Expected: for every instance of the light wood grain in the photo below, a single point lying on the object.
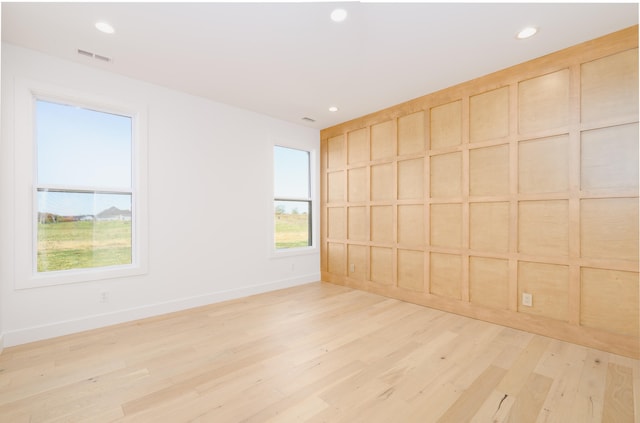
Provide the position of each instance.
(446, 272)
(489, 282)
(489, 171)
(335, 187)
(608, 298)
(411, 225)
(446, 175)
(382, 265)
(357, 182)
(610, 86)
(543, 165)
(534, 167)
(544, 102)
(357, 223)
(382, 140)
(335, 152)
(446, 125)
(489, 115)
(382, 228)
(609, 158)
(411, 134)
(411, 179)
(382, 182)
(411, 270)
(318, 352)
(358, 146)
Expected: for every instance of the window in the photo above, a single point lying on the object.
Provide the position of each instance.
(80, 186)
(83, 188)
(292, 198)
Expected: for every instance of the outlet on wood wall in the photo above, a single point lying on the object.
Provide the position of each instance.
(522, 181)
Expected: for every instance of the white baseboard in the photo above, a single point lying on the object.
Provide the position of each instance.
(52, 330)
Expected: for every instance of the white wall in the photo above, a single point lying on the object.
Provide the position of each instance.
(210, 191)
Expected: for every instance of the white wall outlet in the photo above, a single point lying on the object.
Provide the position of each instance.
(352, 268)
(104, 296)
(527, 299)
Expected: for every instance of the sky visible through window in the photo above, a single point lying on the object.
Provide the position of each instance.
(80, 148)
(291, 176)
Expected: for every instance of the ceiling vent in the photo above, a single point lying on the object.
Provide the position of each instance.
(98, 57)
(308, 119)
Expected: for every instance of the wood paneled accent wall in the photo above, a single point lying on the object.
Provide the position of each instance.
(522, 181)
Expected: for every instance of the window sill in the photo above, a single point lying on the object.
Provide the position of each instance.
(290, 252)
(62, 277)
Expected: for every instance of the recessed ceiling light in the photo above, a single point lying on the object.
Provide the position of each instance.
(105, 27)
(333, 109)
(338, 15)
(527, 32)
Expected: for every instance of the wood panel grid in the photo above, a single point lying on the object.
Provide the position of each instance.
(489, 115)
(523, 181)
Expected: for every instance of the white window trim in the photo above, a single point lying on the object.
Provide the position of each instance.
(315, 207)
(25, 214)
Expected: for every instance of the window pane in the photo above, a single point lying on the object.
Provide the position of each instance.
(292, 224)
(82, 147)
(291, 170)
(83, 230)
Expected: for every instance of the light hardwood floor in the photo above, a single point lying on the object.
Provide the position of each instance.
(319, 353)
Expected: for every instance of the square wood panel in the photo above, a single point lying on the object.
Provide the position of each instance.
(358, 146)
(609, 86)
(543, 227)
(335, 187)
(357, 224)
(609, 301)
(335, 262)
(489, 171)
(335, 152)
(609, 158)
(411, 270)
(489, 115)
(489, 282)
(549, 285)
(446, 125)
(411, 179)
(543, 102)
(446, 275)
(357, 185)
(543, 165)
(382, 142)
(609, 228)
(382, 182)
(382, 229)
(489, 227)
(382, 265)
(411, 225)
(336, 223)
(446, 225)
(446, 175)
(411, 134)
(357, 261)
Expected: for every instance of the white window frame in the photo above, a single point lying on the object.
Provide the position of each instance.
(25, 192)
(314, 209)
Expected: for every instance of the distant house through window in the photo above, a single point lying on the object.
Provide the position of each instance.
(83, 188)
(292, 198)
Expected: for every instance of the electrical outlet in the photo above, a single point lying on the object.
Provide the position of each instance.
(527, 299)
(104, 296)
(352, 268)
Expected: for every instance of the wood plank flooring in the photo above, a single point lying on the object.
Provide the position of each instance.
(317, 353)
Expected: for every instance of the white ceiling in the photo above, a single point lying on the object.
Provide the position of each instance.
(289, 60)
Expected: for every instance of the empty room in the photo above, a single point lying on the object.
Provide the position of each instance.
(322, 212)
